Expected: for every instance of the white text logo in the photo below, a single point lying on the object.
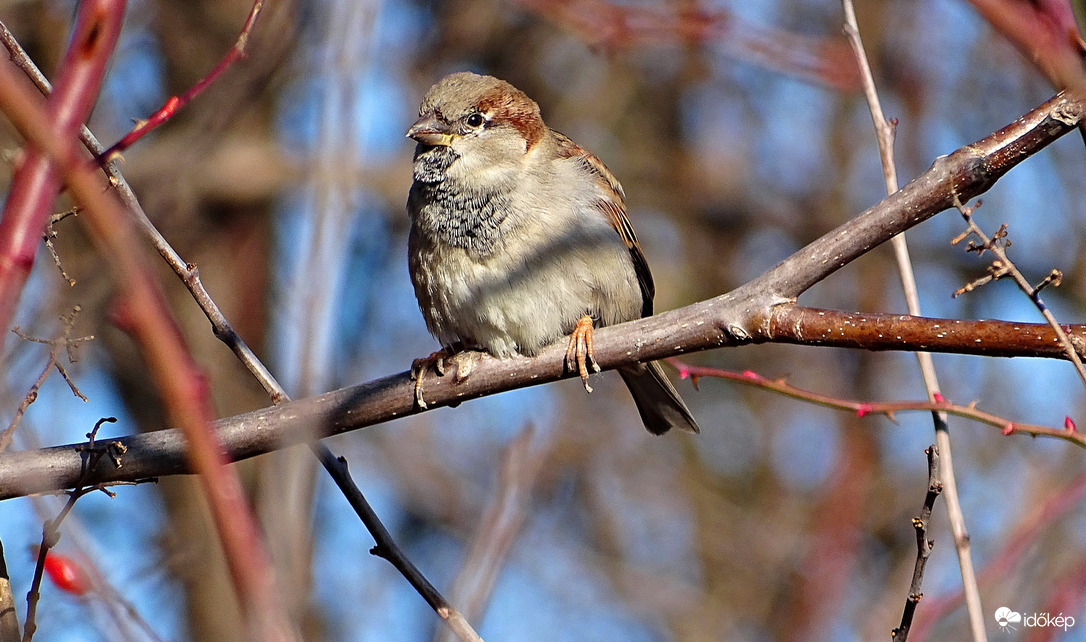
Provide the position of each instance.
(1007, 619)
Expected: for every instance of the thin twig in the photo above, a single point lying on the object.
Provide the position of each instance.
(888, 409)
(64, 341)
(36, 182)
(1059, 504)
(387, 549)
(50, 234)
(923, 545)
(1004, 267)
(190, 275)
(884, 132)
(50, 532)
(175, 103)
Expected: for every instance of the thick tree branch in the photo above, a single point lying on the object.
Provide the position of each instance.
(963, 175)
(833, 328)
(162, 453)
(756, 312)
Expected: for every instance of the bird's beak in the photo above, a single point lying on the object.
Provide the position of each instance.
(430, 130)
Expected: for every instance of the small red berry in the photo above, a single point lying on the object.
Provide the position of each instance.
(66, 574)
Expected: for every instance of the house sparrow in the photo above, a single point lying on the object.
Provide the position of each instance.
(519, 238)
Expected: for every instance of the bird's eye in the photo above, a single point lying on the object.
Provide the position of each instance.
(474, 120)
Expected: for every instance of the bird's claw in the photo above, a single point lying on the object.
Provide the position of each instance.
(464, 361)
(579, 355)
(419, 366)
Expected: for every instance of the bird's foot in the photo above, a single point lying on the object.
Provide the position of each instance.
(579, 355)
(463, 362)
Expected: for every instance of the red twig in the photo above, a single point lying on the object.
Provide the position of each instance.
(889, 409)
(190, 276)
(175, 103)
(36, 183)
(170, 365)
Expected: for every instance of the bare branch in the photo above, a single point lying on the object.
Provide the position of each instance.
(1003, 266)
(923, 545)
(65, 342)
(162, 452)
(50, 533)
(888, 409)
(36, 182)
(189, 274)
(990, 338)
(175, 103)
(171, 366)
(964, 174)
(387, 549)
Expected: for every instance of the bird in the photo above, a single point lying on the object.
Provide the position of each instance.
(519, 238)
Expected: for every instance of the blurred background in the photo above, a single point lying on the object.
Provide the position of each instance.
(739, 134)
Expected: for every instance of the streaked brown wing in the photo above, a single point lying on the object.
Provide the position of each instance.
(614, 208)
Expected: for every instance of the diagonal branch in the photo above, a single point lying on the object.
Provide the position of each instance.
(189, 274)
(745, 315)
(884, 133)
(966, 173)
(175, 103)
(170, 364)
(1003, 266)
(36, 182)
